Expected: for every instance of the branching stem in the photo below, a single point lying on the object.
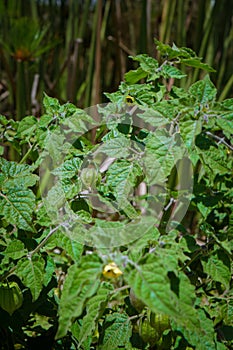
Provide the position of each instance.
(220, 139)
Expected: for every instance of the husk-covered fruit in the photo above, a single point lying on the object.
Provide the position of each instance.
(11, 297)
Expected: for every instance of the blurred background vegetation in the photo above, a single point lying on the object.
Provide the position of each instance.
(75, 50)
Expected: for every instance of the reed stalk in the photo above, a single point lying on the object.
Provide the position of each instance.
(20, 91)
(91, 61)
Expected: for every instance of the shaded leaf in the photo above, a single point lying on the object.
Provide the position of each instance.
(14, 250)
(218, 267)
(117, 331)
(73, 248)
(95, 307)
(81, 283)
(31, 271)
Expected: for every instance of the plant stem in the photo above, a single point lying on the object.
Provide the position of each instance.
(220, 139)
(42, 243)
(31, 253)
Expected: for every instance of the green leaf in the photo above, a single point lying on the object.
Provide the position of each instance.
(215, 161)
(16, 206)
(54, 144)
(81, 283)
(49, 270)
(148, 68)
(154, 283)
(196, 63)
(16, 175)
(75, 330)
(218, 267)
(73, 248)
(189, 129)
(142, 241)
(133, 76)
(146, 62)
(14, 250)
(78, 123)
(94, 308)
(228, 104)
(68, 169)
(221, 346)
(122, 176)
(226, 126)
(117, 147)
(170, 52)
(113, 234)
(106, 233)
(203, 91)
(168, 109)
(169, 71)
(31, 271)
(162, 153)
(44, 121)
(117, 331)
(153, 117)
(51, 105)
(151, 284)
(184, 54)
(203, 336)
(70, 309)
(26, 128)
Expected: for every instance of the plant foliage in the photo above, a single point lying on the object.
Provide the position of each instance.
(120, 215)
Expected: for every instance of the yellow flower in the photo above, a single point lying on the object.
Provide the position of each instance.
(129, 100)
(112, 271)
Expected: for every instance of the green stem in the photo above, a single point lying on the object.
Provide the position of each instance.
(43, 242)
(26, 154)
(32, 252)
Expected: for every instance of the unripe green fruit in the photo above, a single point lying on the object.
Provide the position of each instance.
(159, 322)
(11, 297)
(148, 333)
(89, 177)
(135, 302)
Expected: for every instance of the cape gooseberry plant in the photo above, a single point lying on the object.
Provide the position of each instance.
(116, 221)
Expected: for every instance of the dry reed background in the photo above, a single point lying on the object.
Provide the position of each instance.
(76, 50)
